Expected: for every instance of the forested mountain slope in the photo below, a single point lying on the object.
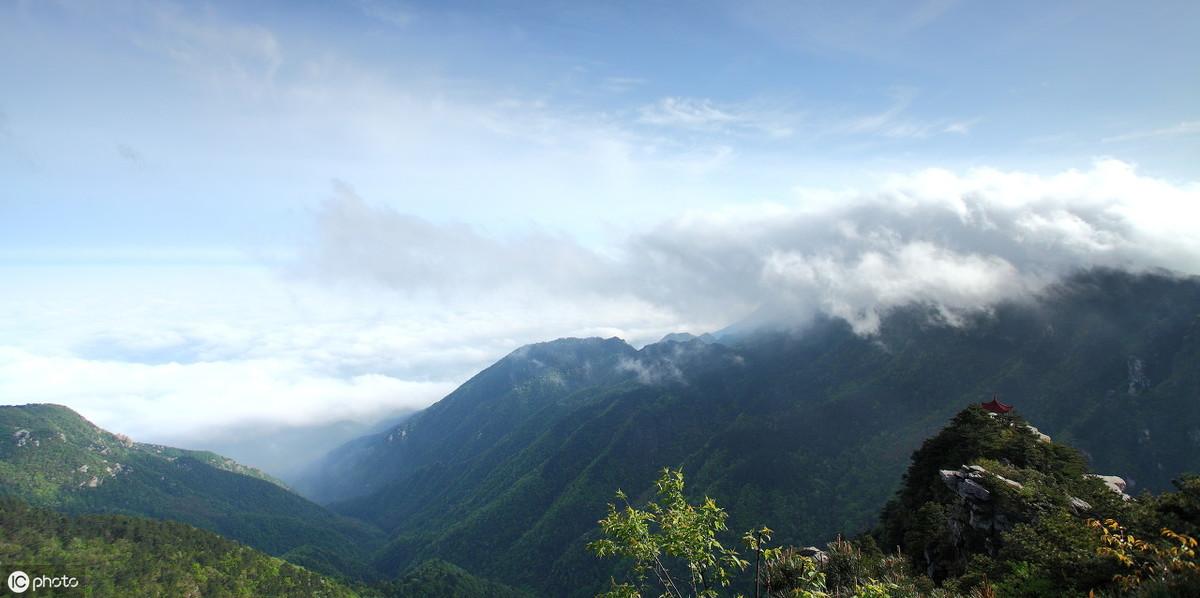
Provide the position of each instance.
(52, 457)
(808, 429)
(115, 555)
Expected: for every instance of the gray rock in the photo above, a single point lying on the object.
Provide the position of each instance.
(1078, 505)
(1114, 483)
(1036, 432)
(972, 489)
(1013, 483)
(950, 477)
(965, 481)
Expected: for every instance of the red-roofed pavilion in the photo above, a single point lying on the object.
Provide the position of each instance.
(995, 406)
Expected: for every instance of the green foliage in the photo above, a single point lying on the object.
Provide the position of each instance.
(131, 556)
(1053, 556)
(1170, 562)
(1179, 510)
(439, 578)
(669, 529)
(858, 568)
(52, 457)
(792, 574)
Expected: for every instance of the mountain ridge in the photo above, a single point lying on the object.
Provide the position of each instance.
(507, 473)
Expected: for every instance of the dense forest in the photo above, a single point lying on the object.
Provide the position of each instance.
(113, 555)
(988, 507)
(52, 457)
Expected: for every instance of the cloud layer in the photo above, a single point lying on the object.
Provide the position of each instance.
(956, 240)
(159, 401)
(383, 311)
(179, 353)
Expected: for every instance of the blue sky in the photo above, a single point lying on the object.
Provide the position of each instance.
(132, 123)
(361, 203)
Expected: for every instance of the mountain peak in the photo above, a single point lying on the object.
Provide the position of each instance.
(570, 352)
(687, 337)
(573, 343)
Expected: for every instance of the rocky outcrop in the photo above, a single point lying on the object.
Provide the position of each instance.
(1036, 432)
(975, 522)
(965, 481)
(1078, 505)
(1114, 483)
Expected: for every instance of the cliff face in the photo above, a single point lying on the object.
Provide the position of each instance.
(975, 522)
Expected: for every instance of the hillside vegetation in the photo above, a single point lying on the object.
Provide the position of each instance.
(988, 507)
(439, 578)
(808, 430)
(52, 457)
(990, 501)
(114, 555)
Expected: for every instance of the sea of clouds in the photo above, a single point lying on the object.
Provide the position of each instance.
(379, 311)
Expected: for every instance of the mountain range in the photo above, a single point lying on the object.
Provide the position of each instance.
(805, 427)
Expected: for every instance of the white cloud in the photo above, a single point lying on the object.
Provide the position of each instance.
(688, 112)
(1191, 127)
(958, 240)
(163, 401)
(860, 288)
(704, 114)
(206, 46)
(176, 353)
(895, 121)
(412, 254)
(961, 127)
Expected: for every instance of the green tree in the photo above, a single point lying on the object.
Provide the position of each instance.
(669, 530)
